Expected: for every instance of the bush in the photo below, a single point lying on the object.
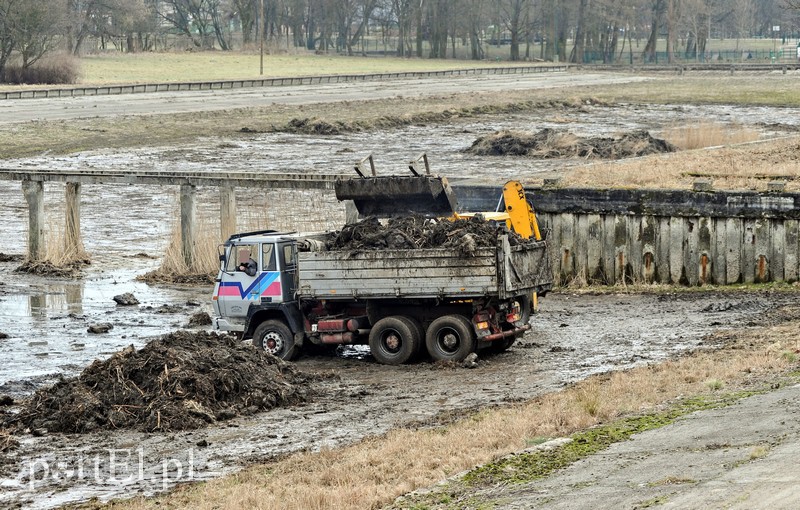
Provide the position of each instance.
(53, 70)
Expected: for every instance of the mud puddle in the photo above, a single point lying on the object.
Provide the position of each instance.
(573, 337)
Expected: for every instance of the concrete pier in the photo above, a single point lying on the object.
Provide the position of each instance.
(33, 189)
(34, 196)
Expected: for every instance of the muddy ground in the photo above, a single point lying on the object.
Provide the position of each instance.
(574, 336)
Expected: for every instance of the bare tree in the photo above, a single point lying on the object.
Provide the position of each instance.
(106, 19)
(474, 12)
(247, 13)
(352, 19)
(38, 29)
(742, 15)
(7, 22)
(516, 14)
(202, 21)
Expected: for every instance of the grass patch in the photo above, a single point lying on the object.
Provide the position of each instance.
(373, 472)
(718, 88)
(657, 501)
(125, 68)
(759, 452)
(672, 480)
(528, 467)
(708, 134)
(741, 167)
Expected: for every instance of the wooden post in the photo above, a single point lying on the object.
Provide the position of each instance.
(187, 223)
(34, 195)
(227, 211)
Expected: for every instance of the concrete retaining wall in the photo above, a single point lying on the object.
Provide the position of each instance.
(683, 237)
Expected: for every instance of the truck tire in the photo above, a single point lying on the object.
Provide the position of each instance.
(450, 338)
(419, 338)
(393, 340)
(275, 338)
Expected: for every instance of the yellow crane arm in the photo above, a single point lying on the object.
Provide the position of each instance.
(520, 212)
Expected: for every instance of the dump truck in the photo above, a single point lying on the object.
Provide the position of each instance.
(400, 302)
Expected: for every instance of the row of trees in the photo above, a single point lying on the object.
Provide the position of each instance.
(567, 29)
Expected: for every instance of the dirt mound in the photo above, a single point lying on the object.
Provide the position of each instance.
(550, 144)
(8, 257)
(414, 232)
(159, 276)
(182, 380)
(46, 268)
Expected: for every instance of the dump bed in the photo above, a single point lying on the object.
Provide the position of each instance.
(503, 271)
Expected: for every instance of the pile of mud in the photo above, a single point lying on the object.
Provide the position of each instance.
(160, 276)
(73, 269)
(320, 126)
(552, 144)
(463, 236)
(182, 380)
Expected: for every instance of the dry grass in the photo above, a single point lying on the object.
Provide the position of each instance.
(708, 134)
(374, 472)
(113, 68)
(743, 167)
(279, 209)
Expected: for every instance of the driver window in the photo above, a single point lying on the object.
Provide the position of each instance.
(288, 255)
(242, 254)
(268, 256)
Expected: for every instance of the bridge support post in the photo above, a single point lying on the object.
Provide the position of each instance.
(34, 195)
(73, 244)
(227, 211)
(187, 224)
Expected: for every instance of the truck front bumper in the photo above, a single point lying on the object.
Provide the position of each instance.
(222, 324)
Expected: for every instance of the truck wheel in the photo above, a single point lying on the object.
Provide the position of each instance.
(450, 338)
(393, 341)
(275, 338)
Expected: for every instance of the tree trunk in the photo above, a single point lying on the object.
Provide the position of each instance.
(580, 29)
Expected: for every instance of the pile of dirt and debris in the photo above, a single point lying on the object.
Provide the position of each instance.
(7, 257)
(551, 144)
(417, 232)
(182, 380)
(71, 269)
(160, 276)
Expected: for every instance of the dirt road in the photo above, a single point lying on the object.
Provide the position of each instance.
(24, 110)
(740, 457)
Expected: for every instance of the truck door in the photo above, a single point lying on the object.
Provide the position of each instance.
(288, 257)
(238, 288)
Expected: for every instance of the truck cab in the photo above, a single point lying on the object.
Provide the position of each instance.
(239, 289)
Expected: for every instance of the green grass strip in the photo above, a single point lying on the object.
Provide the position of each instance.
(526, 467)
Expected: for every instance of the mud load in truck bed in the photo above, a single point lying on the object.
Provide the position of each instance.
(415, 258)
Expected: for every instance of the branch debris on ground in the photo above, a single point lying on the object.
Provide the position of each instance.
(551, 144)
(417, 232)
(182, 380)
